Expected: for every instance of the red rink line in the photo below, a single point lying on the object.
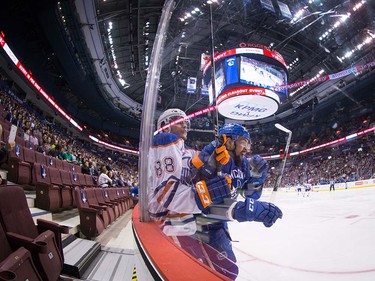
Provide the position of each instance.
(253, 258)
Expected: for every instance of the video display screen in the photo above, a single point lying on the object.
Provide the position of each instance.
(219, 79)
(261, 74)
(231, 70)
(220, 83)
(239, 71)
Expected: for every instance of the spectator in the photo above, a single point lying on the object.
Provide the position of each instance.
(104, 180)
(134, 190)
(55, 152)
(8, 147)
(68, 155)
(86, 168)
(33, 139)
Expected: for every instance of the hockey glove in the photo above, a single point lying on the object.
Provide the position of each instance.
(258, 169)
(212, 191)
(210, 157)
(222, 155)
(253, 210)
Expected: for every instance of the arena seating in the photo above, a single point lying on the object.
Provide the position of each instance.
(15, 265)
(67, 183)
(48, 195)
(19, 171)
(41, 158)
(101, 200)
(65, 190)
(43, 241)
(99, 207)
(93, 203)
(91, 223)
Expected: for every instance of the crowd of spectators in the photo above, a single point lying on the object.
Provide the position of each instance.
(308, 132)
(346, 163)
(58, 142)
(202, 123)
(109, 137)
(312, 132)
(350, 161)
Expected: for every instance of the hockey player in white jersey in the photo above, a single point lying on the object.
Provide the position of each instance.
(172, 198)
(308, 187)
(299, 188)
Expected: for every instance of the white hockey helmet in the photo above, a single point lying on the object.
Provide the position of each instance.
(170, 115)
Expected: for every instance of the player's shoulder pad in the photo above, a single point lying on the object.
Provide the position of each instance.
(164, 139)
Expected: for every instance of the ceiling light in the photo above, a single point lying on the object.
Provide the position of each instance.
(348, 54)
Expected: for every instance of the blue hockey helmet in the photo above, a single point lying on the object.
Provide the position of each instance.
(234, 131)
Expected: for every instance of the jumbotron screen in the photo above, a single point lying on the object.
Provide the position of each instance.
(220, 83)
(258, 73)
(237, 70)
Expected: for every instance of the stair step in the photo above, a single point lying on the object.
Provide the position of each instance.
(30, 197)
(68, 218)
(40, 214)
(78, 254)
(30, 201)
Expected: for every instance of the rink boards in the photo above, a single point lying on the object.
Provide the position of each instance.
(325, 187)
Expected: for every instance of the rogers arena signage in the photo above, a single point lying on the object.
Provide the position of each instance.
(247, 103)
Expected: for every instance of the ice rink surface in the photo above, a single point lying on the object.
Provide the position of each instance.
(326, 236)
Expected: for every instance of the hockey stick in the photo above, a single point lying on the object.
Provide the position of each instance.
(282, 164)
(220, 140)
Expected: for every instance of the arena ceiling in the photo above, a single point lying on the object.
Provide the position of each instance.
(327, 37)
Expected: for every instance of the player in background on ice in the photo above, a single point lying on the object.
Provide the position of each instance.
(307, 189)
(332, 185)
(299, 188)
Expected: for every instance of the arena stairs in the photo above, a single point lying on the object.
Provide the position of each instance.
(106, 257)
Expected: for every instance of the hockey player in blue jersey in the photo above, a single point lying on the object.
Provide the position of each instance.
(180, 190)
(247, 176)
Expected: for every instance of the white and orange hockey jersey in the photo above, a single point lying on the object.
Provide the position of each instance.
(171, 193)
